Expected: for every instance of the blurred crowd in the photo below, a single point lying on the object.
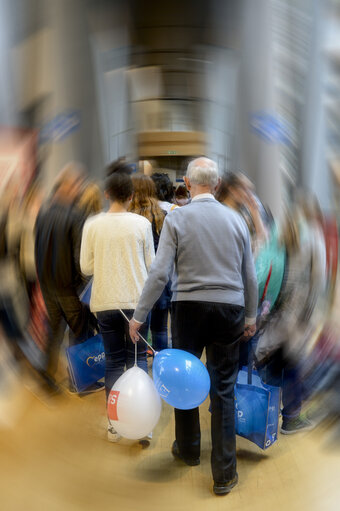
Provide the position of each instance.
(296, 345)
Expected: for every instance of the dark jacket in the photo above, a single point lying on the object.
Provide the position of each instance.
(155, 234)
(57, 247)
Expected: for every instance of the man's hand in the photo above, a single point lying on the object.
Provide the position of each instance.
(249, 330)
(134, 326)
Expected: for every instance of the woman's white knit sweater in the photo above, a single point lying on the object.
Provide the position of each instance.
(117, 249)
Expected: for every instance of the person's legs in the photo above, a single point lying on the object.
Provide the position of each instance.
(187, 326)
(159, 328)
(281, 372)
(78, 316)
(90, 327)
(227, 325)
(111, 326)
(141, 346)
(55, 332)
(291, 393)
(272, 371)
(245, 349)
(9, 320)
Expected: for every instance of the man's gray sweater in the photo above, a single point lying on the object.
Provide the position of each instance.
(205, 248)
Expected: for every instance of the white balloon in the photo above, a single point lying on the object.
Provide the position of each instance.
(134, 405)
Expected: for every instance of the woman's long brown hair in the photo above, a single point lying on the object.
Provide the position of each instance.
(144, 201)
(290, 236)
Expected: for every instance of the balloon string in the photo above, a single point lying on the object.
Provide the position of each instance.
(140, 335)
(135, 354)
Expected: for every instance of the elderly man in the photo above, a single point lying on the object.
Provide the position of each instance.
(214, 302)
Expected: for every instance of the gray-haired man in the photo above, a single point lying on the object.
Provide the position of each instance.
(214, 301)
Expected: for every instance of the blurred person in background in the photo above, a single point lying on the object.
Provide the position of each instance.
(57, 247)
(14, 304)
(22, 310)
(118, 249)
(237, 192)
(214, 303)
(31, 206)
(90, 201)
(37, 328)
(165, 191)
(281, 347)
(181, 195)
(312, 225)
(145, 203)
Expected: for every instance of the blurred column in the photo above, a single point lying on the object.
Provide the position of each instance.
(255, 155)
(73, 88)
(8, 115)
(110, 48)
(314, 173)
(53, 82)
(221, 93)
(314, 169)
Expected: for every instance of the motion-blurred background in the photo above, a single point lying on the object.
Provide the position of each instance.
(251, 84)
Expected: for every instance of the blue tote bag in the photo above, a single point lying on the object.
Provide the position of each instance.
(86, 362)
(257, 408)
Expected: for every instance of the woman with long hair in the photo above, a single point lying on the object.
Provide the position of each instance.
(145, 203)
(237, 192)
(117, 249)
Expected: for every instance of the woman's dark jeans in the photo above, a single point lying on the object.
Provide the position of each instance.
(159, 319)
(159, 328)
(118, 346)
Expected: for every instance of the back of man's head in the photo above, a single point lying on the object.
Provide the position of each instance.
(203, 172)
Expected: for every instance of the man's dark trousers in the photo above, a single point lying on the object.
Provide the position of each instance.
(65, 307)
(216, 327)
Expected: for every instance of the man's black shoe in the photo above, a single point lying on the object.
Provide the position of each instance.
(224, 488)
(192, 462)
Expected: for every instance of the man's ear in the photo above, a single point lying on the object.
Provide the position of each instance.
(187, 182)
(106, 195)
(217, 186)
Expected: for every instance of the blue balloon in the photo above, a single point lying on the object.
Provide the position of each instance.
(181, 379)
